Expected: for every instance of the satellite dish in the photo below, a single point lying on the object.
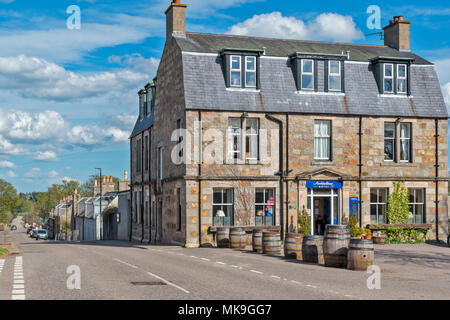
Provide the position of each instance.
(220, 213)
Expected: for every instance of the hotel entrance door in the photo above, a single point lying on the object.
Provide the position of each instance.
(324, 209)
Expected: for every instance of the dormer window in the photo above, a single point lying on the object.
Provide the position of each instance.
(392, 74)
(150, 90)
(307, 74)
(241, 68)
(334, 75)
(318, 72)
(142, 103)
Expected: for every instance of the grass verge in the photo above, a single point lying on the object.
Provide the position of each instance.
(3, 251)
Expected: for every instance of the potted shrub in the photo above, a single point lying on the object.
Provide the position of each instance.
(355, 230)
(367, 234)
(379, 238)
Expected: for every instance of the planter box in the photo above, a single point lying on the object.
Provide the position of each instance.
(381, 227)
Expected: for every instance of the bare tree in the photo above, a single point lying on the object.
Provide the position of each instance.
(244, 199)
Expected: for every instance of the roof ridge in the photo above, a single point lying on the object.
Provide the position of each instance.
(283, 39)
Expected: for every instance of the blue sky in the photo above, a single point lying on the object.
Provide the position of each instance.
(68, 98)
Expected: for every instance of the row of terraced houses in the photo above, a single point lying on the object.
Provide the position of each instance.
(269, 126)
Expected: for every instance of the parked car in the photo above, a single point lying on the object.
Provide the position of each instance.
(33, 233)
(13, 227)
(42, 234)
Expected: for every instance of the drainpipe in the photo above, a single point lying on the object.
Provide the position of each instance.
(360, 165)
(436, 121)
(131, 191)
(142, 187)
(280, 172)
(150, 208)
(199, 181)
(287, 173)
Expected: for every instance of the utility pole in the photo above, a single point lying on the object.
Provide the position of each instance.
(101, 195)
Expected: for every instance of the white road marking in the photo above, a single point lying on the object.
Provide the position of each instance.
(193, 257)
(311, 286)
(206, 259)
(167, 282)
(276, 277)
(222, 263)
(18, 291)
(130, 265)
(254, 271)
(296, 282)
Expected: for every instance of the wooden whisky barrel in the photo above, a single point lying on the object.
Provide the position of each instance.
(238, 238)
(223, 237)
(271, 243)
(257, 245)
(360, 254)
(293, 246)
(313, 249)
(335, 245)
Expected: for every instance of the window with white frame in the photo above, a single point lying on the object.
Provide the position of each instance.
(307, 74)
(378, 203)
(389, 141)
(388, 78)
(250, 72)
(235, 71)
(223, 207)
(417, 206)
(322, 140)
(264, 207)
(334, 75)
(405, 142)
(402, 78)
(251, 138)
(235, 138)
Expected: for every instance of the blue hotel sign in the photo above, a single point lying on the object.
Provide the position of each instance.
(324, 184)
(353, 206)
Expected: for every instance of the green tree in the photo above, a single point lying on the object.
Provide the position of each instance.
(304, 222)
(9, 201)
(398, 205)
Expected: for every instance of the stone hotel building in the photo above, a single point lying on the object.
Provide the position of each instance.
(326, 126)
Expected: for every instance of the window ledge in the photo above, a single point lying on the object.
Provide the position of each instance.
(330, 93)
(398, 164)
(394, 95)
(322, 163)
(254, 90)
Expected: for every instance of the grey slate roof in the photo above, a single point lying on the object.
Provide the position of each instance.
(205, 84)
(142, 124)
(213, 43)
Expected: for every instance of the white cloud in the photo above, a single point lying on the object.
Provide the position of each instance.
(6, 147)
(71, 45)
(8, 175)
(327, 26)
(7, 164)
(137, 62)
(37, 78)
(19, 125)
(45, 156)
(33, 173)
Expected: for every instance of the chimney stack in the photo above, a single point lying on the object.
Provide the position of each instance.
(125, 175)
(176, 19)
(396, 34)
